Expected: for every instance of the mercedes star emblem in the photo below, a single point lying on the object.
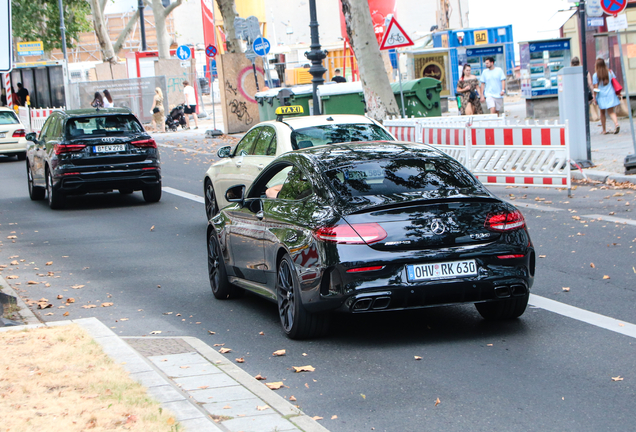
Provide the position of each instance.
(437, 227)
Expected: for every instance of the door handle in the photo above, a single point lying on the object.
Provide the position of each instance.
(239, 163)
(260, 167)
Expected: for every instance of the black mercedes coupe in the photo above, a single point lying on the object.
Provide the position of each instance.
(369, 227)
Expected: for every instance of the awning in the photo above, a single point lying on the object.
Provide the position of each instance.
(557, 20)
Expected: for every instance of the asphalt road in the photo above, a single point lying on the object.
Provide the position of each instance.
(550, 370)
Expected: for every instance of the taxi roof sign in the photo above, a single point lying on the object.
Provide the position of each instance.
(287, 110)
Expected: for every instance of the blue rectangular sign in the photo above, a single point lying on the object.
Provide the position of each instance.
(546, 92)
(549, 46)
(476, 52)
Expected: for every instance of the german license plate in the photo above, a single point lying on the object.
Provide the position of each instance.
(441, 270)
(3, 134)
(109, 148)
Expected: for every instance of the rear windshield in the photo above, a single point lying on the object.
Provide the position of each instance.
(7, 117)
(337, 133)
(102, 126)
(398, 176)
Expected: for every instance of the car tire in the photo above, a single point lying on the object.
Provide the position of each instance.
(221, 287)
(152, 194)
(211, 207)
(506, 309)
(21, 156)
(296, 321)
(36, 193)
(56, 197)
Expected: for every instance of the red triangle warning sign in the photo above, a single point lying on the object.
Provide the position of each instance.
(395, 36)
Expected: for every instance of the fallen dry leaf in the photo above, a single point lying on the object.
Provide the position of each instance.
(307, 368)
(566, 289)
(606, 277)
(152, 228)
(77, 286)
(260, 377)
(541, 256)
(417, 357)
(262, 333)
(211, 332)
(262, 408)
(12, 277)
(225, 350)
(47, 284)
(227, 407)
(292, 398)
(14, 262)
(184, 367)
(50, 313)
(437, 402)
(333, 417)
(279, 353)
(618, 378)
(155, 332)
(240, 360)
(106, 304)
(66, 313)
(70, 300)
(316, 418)
(32, 282)
(201, 387)
(275, 385)
(12, 237)
(592, 265)
(60, 296)
(89, 306)
(49, 263)
(218, 344)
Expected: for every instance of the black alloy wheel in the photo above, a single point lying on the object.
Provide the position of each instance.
(221, 287)
(56, 198)
(36, 193)
(296, 321)
(211, 207)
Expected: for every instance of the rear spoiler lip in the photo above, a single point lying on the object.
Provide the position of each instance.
(416, 202)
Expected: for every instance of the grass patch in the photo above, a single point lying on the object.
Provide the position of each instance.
(58, 379)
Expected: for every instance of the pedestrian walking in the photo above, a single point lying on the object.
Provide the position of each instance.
(493, 86)
(157, 111)
(337, 76)
(108, 100)
(605, 95)
(468, 89)
(98, 101)
(190, 104)
(22, 95)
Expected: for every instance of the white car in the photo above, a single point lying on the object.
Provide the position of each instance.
(268, 139)
(12, 134)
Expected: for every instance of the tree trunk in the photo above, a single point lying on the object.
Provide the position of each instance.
(161, 14)
(125, 32)
(378, 95)
(228, 12)
(108, 53)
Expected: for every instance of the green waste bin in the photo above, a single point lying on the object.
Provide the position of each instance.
(271, 99)
(421, 97)
(344, 98)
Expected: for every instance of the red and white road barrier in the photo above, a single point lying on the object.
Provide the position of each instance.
(7, 88)
(38, 117)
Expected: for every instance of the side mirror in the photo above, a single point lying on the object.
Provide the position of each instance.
(224, 152)
(235, 194)
(31, 136)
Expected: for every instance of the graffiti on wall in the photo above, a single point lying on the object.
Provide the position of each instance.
(239, 109)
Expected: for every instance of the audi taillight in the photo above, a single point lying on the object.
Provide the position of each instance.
(19, 133)
(352, 234)
(502, 222)
(68, 148)
(149, 143)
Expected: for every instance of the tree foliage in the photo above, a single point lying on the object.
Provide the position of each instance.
(40, 20)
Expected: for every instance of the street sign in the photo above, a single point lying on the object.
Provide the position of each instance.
(185, 64)
(30, 48)
(5, 36)
(261, 46)
(183, 53)
(613, 7)
(593, 8)
(250, 54)
(395, 36)
(596, 22)
(616, 23)
(211, 51)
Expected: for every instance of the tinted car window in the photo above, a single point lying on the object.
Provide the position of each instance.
(102, 125)
(271, 150)
(296, 186)
(337, 133)
(264, 139)
(245, 145)
(7, 117)
(54, 131)
(44, 133)
(398, 176)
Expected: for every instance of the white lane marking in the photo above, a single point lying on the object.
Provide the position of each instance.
(534, 206)
(185, 149)
(611, 219)
(573, 312)
(182, 194)
(583, 315)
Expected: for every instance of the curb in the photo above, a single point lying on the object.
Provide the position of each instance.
(603, 176)
(27, 315)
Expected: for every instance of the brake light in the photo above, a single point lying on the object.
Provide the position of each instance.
(365, 269)
(510, 256)
(19, 133)
(352, 234)
(503, 222)
(149, 143)
(68, 148)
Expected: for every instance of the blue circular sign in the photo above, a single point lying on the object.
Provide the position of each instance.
(613, 6)
(183, 53)
(211, 51)
(261, 46)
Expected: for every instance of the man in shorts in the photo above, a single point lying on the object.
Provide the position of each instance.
(190, 104)
(493, 86)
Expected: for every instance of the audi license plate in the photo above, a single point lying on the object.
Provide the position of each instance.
(109, 148)
(443, 270)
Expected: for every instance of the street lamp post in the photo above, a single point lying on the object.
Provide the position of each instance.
(62, 29)
(316, 55)
(142, 25)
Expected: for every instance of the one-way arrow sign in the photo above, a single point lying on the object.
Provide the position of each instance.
(395, 36)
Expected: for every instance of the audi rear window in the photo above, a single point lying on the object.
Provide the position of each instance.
(398, 176)
(7, 117)
(337, 133)
(102, 126)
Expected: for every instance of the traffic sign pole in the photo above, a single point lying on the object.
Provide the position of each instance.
(211, 52)
(629, 104)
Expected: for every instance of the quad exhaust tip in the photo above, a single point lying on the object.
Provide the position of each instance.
(371, 303)
(512, 290)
